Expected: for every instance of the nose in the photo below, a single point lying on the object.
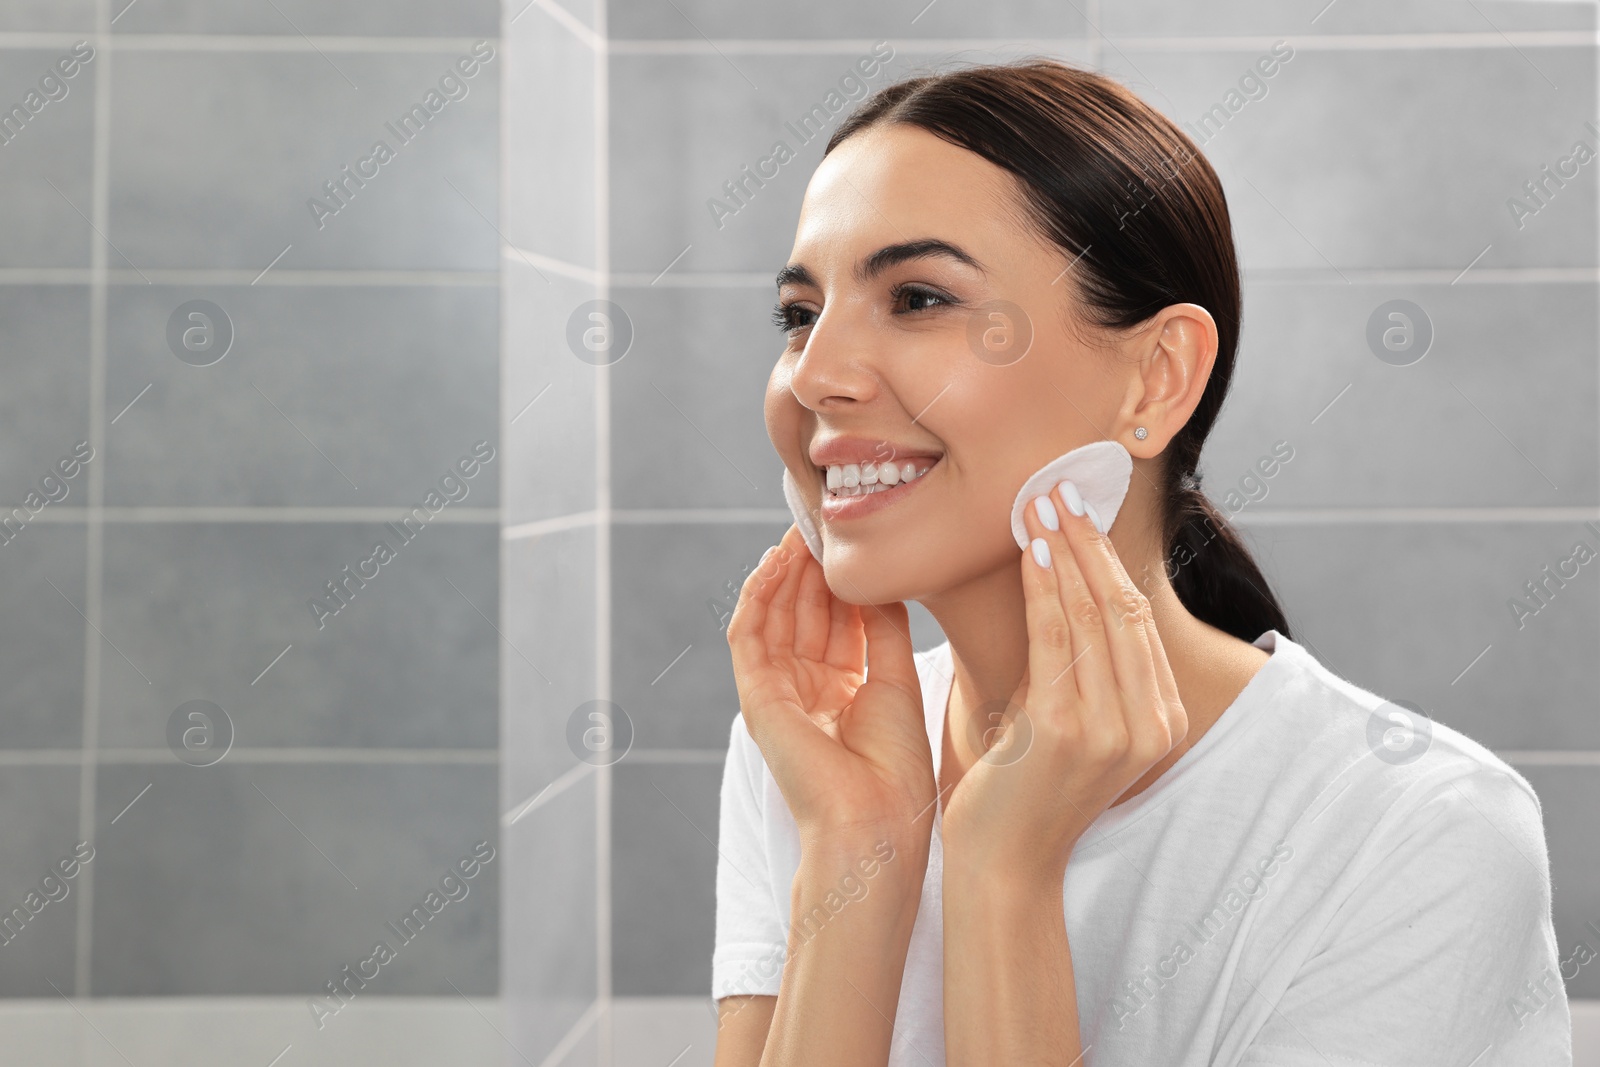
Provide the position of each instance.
(837, 367)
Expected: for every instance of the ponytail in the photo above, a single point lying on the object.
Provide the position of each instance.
(1212, 571)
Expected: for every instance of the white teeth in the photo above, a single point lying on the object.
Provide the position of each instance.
(857, 479)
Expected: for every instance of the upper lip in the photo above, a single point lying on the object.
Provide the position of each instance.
(842, 451)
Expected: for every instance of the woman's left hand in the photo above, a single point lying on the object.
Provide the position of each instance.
(1097, 708)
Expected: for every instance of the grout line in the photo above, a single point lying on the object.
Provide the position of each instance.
(1333, 42)
(283, 513)
(59, 757)
(1375, 516)
(510, 253)
(190, 276)
(1257, 517)
(228, 276)
(676, 755)
(355, 43)
(89, 740)
(1261, 276)
(724, 279)
(250, 42)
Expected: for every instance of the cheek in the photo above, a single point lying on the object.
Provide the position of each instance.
(784, 417)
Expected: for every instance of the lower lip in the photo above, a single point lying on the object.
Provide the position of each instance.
(835, 509)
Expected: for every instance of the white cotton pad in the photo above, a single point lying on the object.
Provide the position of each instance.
(802, 518)
(1101, 471)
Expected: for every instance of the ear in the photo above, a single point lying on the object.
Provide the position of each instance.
(1171, 359)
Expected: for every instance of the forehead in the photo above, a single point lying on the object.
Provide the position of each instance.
(894, 183)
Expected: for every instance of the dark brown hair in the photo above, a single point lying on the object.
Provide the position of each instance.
(1129, 198)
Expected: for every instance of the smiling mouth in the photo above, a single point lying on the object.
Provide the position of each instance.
(842, 481)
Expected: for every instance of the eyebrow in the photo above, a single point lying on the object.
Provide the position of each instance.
(886, 257)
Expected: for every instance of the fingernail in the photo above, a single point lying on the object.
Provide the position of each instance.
(1069, 493)
(1094, 516)
(1045, 508)
(1041, 552)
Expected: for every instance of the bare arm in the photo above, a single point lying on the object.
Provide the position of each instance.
(830, 694)
(846, 958)
(742, 1025)
(841, 977)
(1009, 995)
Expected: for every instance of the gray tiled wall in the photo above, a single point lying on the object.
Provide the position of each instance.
(554, 971)
(1416, 503)
(364, 363)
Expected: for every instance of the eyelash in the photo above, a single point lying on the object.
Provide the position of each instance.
(783, 314)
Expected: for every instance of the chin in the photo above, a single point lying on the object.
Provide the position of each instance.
(857, 575)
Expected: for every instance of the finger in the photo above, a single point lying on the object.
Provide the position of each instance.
(813, 618)
(1050, 637)
(1091, 662)
(747, 626)
(1123, 610)
(786, 566)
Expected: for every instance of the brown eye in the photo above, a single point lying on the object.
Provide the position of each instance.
(790, 317)
(920, 298)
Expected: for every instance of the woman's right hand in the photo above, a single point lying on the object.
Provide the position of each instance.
(851, 756)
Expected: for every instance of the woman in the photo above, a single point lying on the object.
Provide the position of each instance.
(1119, 817)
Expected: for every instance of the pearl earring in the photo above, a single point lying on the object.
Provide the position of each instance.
(1141, 433)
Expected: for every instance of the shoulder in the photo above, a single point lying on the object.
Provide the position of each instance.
(1398, 777)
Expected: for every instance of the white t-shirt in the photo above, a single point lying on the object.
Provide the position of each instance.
(1299, 888)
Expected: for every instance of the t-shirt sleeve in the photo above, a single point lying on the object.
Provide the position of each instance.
(1443, 954)
(748, 953)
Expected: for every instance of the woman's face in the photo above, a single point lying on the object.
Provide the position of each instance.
(912, 290)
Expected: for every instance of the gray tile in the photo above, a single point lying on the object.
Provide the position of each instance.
(550, 206)
(548, 397)
(201, 610)
(1324, 169)
(44, 226)
(1569, 797)
(1234, 17)
(338, 395)
(399, 18)
(549, 970)
(44, 386)
(41, 637)
(587, 12)
(1403, 609)
(40, 831)
(673, 149)
(694, 19)
(48, 15)
(652, 1030)
(659, 611)
(688, 428)
(664, 866)
(1500, 412)
(547, 661)
(296, 869)
(277, 126)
